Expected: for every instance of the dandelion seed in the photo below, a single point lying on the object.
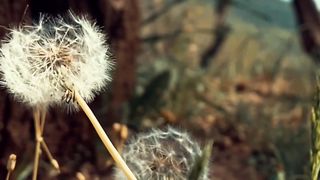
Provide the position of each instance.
(53, 62)
(161, 155)
(38, 62)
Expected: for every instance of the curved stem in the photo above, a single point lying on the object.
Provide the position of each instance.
(44, 145)
(37, 128)
(8, 175)
(103, 136)
(53, 161)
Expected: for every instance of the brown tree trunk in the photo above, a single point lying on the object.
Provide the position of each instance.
(121, 20)
(222, 8)
(308, 21)
(122, 23)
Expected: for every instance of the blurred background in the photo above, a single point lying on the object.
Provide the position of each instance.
(240, 72)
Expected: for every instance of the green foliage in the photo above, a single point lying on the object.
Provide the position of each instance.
(201, 163)
(315, 136)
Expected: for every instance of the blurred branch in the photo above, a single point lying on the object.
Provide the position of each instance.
(309, 25)
(157, 37)
(221, 11)
(221, 35)
(221, 32)
(162, 11)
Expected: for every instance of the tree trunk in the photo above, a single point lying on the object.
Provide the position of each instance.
(308, 21)
(122, 23)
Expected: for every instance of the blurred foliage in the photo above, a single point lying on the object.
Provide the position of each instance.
(202, 162)
(150, 99)
(253, 99)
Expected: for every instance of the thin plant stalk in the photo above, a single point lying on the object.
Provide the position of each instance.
(103, 136)
(39, 121)
(8, 175)
(11, 164)
(42, 120)
(36, 118)
(53, 161)
(44, 146)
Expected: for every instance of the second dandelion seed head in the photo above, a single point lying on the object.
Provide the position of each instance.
(161, 154)
(40, 62)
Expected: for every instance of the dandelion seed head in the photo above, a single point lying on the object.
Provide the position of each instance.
(38, 62)
(161, 155)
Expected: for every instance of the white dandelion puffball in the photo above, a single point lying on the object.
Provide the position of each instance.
(38, 62)
(161, 155)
